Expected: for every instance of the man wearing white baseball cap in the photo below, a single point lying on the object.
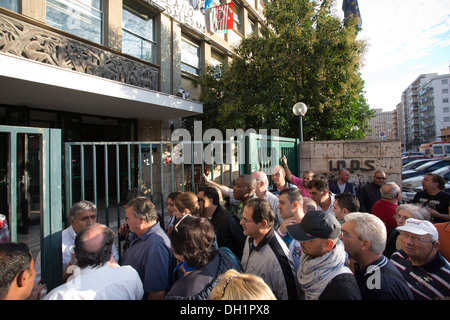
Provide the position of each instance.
(420, 262)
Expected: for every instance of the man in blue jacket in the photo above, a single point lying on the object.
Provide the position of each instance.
(341, 184)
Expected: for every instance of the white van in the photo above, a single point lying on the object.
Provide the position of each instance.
(441, 150)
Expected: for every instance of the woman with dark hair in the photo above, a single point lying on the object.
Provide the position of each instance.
(170, 210)
(200, 263)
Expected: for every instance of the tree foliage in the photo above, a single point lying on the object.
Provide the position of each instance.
(305, 53)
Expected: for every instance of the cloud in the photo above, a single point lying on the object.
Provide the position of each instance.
(406, 39)
(399, 31)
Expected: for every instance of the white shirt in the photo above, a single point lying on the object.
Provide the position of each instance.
(102, 283)
(68, 241)
(330, 208)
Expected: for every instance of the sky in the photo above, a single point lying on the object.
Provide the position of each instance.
(406, 38)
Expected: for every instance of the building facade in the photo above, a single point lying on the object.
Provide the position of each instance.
(108, 71)
(411, 112)
(424, 110)
(434, 108)
(111, 70)
(382, 126)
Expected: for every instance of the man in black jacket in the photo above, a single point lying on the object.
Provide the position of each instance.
(370, 193)
(226, 225)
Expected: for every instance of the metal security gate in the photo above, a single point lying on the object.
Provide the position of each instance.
(264, 152)
(39, 148)
(102, 172)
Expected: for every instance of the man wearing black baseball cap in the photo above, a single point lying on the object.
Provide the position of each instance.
(322, 272)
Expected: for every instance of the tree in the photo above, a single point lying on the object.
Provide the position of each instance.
(305, 53)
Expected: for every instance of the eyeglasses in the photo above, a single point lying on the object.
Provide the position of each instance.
(381, 178)
(415, 239)
(400, 217)
(176, 226)
(346, 235)
(245, 220)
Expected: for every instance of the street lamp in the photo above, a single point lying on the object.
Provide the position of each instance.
(299, 110)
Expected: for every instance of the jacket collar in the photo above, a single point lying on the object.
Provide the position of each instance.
(263, 242)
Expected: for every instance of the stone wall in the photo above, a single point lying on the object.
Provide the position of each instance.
(361, 158)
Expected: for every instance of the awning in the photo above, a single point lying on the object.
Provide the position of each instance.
(24, 82)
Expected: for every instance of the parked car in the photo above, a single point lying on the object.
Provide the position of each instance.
(409, 184)
(425, 168)
(416, 163)
(412, 153)
(419, 166)
(407, 160)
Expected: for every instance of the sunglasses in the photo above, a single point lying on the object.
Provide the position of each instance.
(176, 226)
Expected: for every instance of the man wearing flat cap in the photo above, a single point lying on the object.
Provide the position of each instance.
(420, 262)
(322, 273)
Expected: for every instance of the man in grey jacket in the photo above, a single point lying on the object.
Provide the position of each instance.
(265, 253)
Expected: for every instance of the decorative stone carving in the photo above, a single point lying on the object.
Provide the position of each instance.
(38, 44)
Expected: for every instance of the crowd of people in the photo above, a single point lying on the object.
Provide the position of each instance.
(296, 239)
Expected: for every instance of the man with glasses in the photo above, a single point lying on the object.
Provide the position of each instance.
(420, 262)
(370, 193)
(81, 215)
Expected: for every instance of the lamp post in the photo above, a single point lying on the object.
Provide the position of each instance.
(299, 110)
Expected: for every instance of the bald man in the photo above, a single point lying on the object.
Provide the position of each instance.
(279, 180)
(94, 278)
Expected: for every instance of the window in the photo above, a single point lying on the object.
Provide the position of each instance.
(438, 150)
(83, 18)
(217, 62)
(138, 35)
(190, 57)
(446, 119)
(444, 100)
(12, 5)
(446, 109)
(251, 27)
(444, 81)
(444, 91)
(237, 18)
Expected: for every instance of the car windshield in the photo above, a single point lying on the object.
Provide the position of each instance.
(415, 164)
(437, 165)
(424, 166)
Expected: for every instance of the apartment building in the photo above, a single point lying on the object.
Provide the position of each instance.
(410, 100)
(434, 107)
(382, 126)
(425, 110)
